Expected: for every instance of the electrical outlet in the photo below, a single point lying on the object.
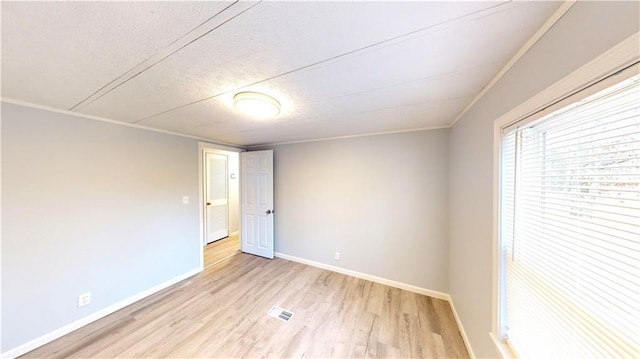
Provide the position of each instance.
(336, 256)
(185, 199)
(84, 299)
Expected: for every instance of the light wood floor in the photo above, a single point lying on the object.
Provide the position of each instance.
(220, 250)
(222, 312)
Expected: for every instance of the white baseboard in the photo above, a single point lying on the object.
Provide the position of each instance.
(462, 332)
(390, 283)
(234, 233)
(49, 337)
(29, 346)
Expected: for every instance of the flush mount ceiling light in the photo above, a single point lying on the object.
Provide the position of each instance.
(256, 104)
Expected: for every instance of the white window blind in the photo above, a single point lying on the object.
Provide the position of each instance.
(570, 230)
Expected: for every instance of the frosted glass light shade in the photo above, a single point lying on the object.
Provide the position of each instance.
(256, 104)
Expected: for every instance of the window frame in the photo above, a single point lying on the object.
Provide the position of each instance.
(616, 65)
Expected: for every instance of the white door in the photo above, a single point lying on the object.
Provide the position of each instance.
(217, 196)
(257, 203)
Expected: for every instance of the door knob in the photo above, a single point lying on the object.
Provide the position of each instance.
(269, 211)
(208, 203)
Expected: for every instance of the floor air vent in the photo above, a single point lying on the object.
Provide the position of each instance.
(280, 313)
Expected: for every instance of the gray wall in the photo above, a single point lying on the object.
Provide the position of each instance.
(95, 207)
(89, 206)
(381, 201)
(587, 30)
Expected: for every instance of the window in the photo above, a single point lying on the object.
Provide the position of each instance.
(570, 229)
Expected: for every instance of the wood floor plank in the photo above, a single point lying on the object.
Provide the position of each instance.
(222, 313)
(221, 249)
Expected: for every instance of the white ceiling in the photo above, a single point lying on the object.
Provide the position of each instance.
(338, 68)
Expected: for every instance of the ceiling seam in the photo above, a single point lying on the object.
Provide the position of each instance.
(147, 59)
(325, 60)
(557, 15)
(204, 22)
(163, 58)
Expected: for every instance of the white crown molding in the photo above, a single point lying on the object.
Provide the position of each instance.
(566, 5)
(349, 136)
(208, 141)
(104, 119)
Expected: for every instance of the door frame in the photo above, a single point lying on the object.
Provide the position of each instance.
(213, 148)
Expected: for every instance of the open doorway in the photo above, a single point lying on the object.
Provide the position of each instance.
(220, 203)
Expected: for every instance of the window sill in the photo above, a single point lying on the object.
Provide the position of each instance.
(504, 349)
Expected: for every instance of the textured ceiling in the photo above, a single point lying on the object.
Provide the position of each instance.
(338, 68)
